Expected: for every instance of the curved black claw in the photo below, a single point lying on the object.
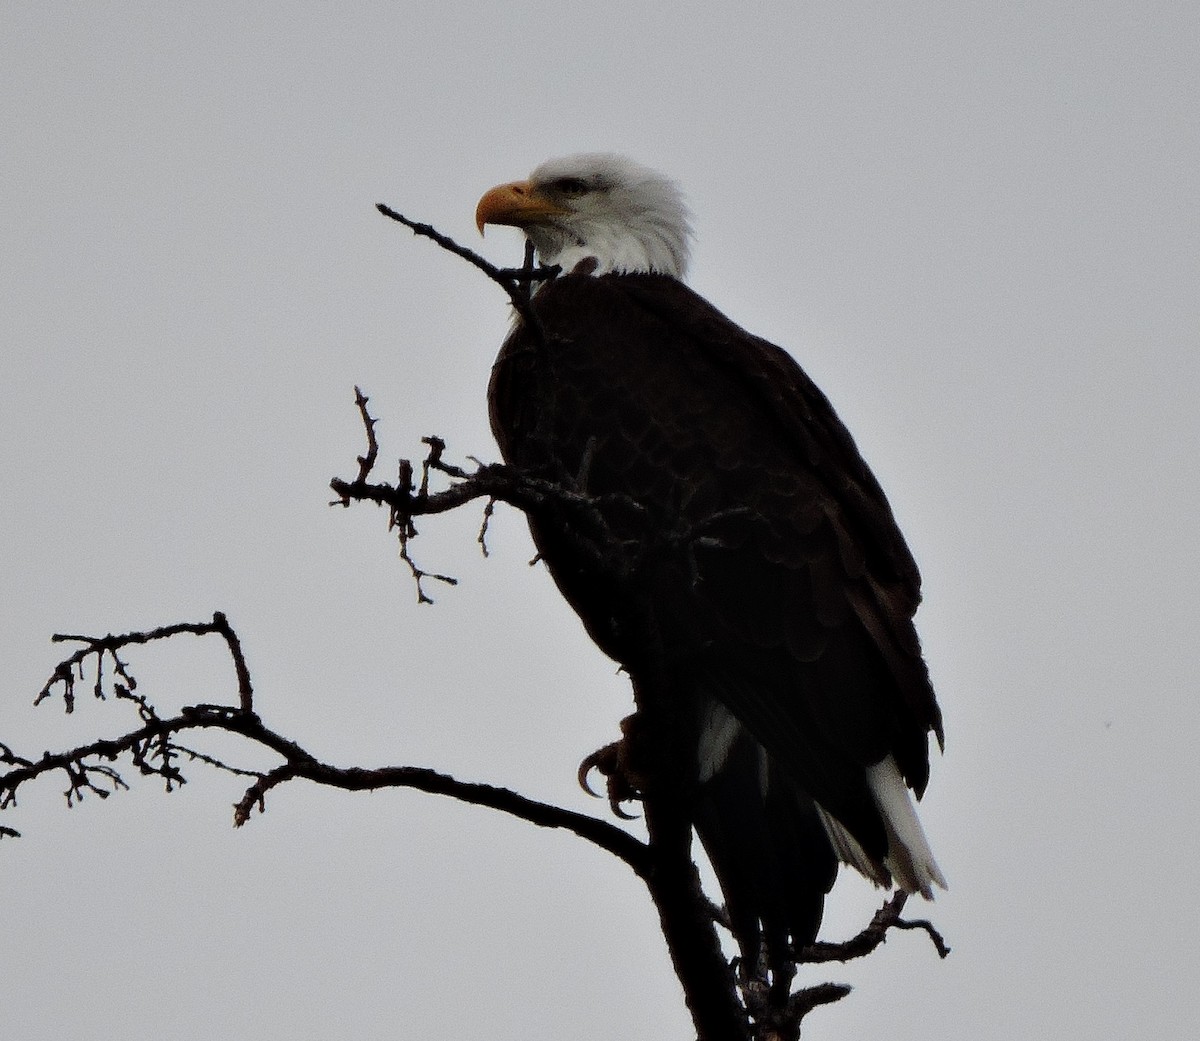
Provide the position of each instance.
(612, 761)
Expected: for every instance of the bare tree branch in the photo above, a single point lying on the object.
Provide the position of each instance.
(102, 646)
(366, 463)
(859, 946)
(153, 748)
(516, 282)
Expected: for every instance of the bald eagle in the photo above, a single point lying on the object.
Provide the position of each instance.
(748, 561)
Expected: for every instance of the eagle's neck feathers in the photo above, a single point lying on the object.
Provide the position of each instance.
(614, 249)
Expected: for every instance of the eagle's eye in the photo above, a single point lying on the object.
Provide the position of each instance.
(572, 187)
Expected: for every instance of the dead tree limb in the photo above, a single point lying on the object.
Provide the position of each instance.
(153, 748)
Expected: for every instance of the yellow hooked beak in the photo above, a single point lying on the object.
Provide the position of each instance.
(516, 204)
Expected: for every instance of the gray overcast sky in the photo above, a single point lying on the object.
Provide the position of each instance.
(976, 225)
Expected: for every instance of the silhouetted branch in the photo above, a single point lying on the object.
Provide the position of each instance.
(777, 1020)
(153, 749)
(68, 671)
(859, 946)
(366, 463)
(516, 282)
(803, 1002)
(709, 984)
(582, 517)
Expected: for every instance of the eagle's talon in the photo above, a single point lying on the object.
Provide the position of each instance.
(595, 761)
(612, 762)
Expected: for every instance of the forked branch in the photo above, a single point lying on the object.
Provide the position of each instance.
(153, 748)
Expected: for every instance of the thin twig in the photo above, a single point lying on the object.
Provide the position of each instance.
(862, 944)
(366, 463)
(517, 283)
(64, 672)
(488, 510)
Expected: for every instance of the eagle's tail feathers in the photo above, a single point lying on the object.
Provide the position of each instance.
(848, 850)
(909, 860)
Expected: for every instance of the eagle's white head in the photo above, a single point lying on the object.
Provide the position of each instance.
(602, 211)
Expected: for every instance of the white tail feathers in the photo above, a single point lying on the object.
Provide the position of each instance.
(909, 860)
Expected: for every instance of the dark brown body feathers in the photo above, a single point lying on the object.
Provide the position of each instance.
(747, 531)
